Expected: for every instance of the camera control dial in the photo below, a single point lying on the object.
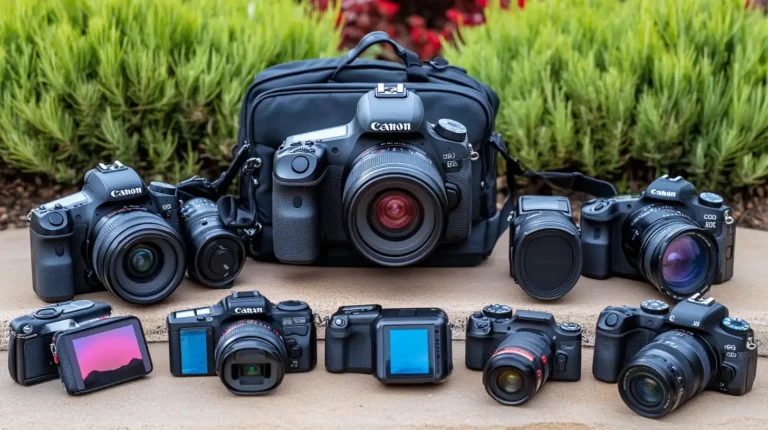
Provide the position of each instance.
(570, 327)
(655, 307)
(711, 200)
(735, 326)
(292, 306)
(451, 130)
(497, 311)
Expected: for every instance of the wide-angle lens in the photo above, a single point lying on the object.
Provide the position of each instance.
(670, 250)
(666, 373)
(137, 256)
(250, 357)
(519, 367)
(394, 204)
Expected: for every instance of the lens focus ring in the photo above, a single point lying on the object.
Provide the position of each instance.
(525, 356)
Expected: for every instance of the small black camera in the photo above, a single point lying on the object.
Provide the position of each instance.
(389, 182)
(677, 240)
(661, 357)
(30, 360)
(116, 234)
(518, 352)
(245, 339)
(398, 346)
(544, 247)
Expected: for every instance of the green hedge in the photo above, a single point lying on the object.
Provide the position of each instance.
(156, 84)
(612, 87)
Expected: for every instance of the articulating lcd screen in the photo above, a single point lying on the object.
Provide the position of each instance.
(109, 357)
(408, 351)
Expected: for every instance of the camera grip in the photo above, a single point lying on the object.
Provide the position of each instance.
(608, 359)
(596, 247)
(52, 278)
(295, 224)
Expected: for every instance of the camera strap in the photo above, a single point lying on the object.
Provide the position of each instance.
(574, 181)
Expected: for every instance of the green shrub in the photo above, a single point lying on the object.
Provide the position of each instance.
(156, 84)
(612, 87)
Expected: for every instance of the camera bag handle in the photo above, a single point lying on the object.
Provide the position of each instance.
(412, 62)
(575, 181)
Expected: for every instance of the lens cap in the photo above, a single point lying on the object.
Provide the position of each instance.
(547, 261)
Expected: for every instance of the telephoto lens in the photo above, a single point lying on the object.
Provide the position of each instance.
(545, 255)
(250, 357)
(667, 372)
(216, 255)
(518, 368)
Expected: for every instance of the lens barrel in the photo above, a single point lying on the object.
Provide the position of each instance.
(137, 256)
(395, 204)
(250, 357)
(545, 255)
(216, 255)
(670, 250)
(518, 368)
(667, 372)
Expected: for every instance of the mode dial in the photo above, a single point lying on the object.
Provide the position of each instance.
(451, 130)
(497, 311)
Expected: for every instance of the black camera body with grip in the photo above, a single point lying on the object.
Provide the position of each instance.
(116, 234)
(518, 352)
(662, 357)
(398, 346)
(388, 182)
(30, 360)
(247, 340)
(679, 241)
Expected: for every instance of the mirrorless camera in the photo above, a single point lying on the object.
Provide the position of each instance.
(247, 340)
(30, 360)
(673, 238)
(544, 247)
(519, 352)
(398, 346)
(116, 234)
(661, 357)
(390, 183)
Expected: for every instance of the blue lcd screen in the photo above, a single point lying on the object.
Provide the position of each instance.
(408, 351)
(194, 351)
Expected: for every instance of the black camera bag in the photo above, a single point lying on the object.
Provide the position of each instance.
(309, 95)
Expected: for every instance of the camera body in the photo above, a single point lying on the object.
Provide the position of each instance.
(30, 360)
(623, 331)
(64, 232)
(487, 329)
(545, 256)
(193, 334)
(398, 346)
(612, 230)
(326, 182)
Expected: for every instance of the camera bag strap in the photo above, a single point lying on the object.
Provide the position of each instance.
(575, 181)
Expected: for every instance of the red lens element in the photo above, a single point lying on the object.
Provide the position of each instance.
(396, 210)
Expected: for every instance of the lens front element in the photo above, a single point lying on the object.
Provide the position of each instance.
(684, 262)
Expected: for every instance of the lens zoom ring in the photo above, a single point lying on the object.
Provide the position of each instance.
(121, 218)
(695, 344)
(255, 328)
(534, 342)
(375, 160)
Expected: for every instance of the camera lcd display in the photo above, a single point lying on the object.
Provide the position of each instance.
(194, 351)
(409, 351)
(110, 354)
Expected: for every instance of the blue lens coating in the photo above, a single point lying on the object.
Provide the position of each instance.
(194, 351)
(408, 351)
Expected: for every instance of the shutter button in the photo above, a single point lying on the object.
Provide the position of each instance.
(300, 164)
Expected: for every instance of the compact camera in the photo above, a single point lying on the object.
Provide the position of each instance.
(661, 357)
(677, 240)
(116, 234)
(519, 352)
(388, 182)
(544, 247)
(30, 360)
(398, 346)
(248, 341)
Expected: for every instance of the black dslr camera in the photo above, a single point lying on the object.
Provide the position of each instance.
(116, 234)
(520, 352)
(390, 183)
(661, 357)
(544, 247)
(245, 339)
(30, 360)
(677, 240)
(399, 346)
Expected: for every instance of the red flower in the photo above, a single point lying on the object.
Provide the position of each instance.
(388, 8)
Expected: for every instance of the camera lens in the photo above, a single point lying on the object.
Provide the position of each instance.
(671, 251)
(216, 254)
(250, 357)
(667, 372)
(518, 368)
(546, 255)
(394, 204)
(137, 256)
